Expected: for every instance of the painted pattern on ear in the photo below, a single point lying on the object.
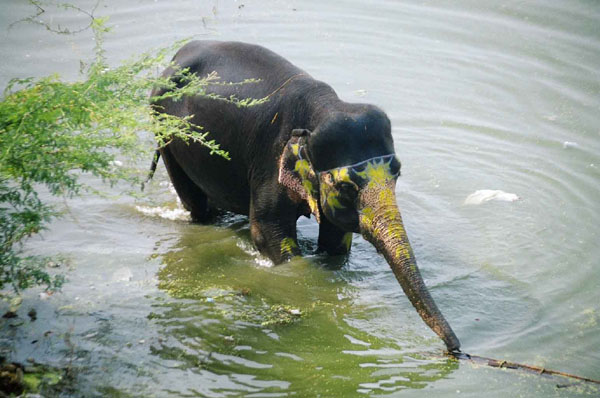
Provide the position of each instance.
(296, 174)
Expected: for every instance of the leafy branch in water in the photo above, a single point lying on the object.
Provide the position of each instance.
(51, 131)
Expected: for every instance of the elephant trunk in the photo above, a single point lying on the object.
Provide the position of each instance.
(381, 224)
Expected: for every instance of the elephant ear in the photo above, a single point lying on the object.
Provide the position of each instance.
(297, 174)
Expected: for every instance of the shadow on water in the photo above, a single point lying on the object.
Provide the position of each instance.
(246, 327)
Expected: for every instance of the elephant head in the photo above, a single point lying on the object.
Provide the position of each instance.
(352, 183)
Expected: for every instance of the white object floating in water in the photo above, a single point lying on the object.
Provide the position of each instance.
(570, 144)
(116, 163)
(485, 195)
(164, 212)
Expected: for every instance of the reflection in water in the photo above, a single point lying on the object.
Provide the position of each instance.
(229, 320)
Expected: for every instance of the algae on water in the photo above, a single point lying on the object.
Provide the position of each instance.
(274, 315)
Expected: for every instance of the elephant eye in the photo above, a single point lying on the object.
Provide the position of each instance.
(347, 188)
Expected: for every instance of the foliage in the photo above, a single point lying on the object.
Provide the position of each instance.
(53, 130)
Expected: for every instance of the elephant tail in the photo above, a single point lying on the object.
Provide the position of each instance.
(152, 168)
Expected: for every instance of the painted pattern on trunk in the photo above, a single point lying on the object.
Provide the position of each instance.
(382, 225)
(367, 187)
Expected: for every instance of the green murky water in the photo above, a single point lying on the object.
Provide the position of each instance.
(482, 95)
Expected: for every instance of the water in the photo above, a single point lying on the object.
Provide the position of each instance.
(482, 95)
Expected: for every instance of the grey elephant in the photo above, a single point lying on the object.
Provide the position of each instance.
(304, 152)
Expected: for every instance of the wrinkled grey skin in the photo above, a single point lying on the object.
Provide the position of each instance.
(303, 152)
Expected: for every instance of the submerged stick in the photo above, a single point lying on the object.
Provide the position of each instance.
(495, 363)
(152, 168)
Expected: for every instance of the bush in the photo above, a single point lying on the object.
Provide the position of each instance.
(51, 131)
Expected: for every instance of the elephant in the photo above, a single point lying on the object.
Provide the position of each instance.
(302, 152)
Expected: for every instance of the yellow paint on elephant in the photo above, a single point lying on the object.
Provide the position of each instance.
(347, 240)
(330, 195)
(397, 233)
(341, 174)
(303, 168)
(366, 217)
(332, 200)
(306, 173)
(329, 192)
(310, 198)
(394, 221)
(288, 245)
(312, 203)
(377, 173)
(308, 186)
(387, 198)
(295, 149)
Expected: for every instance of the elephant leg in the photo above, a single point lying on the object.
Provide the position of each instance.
(191, 196)
(273, 226)
(332, 239)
